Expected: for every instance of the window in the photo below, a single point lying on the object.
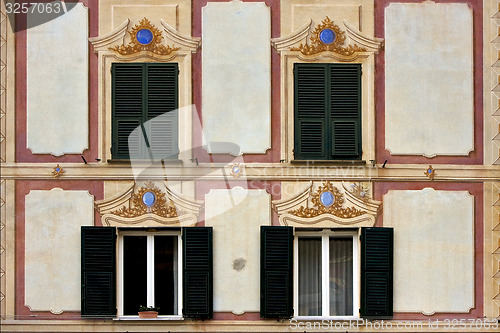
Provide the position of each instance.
(165, 267)
(150, 272)
(327, 274)
(317, 273)
(144, 111)
(327, 114)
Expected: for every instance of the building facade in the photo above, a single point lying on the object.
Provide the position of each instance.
(267, 166)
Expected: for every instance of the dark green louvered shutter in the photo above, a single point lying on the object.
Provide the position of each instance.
(310, 111)
(162, 114)
(276, 279)
(345, 99)
(327, 112)
(145, 100)
(198, 272)
(377, 272)
(127, 110)
(98, 271)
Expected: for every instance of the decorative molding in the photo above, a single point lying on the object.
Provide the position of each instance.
(183, 203)
(148, 206)
(235, 169)
(327, 221)
(285, 42)
(104, 42)
(190, 43)
(119, 200)
(149, 220)
(319, 44)
(58, 171)
(335, 208)
(430, 172)
(140, 205)
(153, 45)
(370, 43)
(332, 206)
(284, 205)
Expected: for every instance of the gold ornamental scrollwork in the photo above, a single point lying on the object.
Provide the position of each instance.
(153, 46)
(336, 45)
(138, 207)
(335, 208)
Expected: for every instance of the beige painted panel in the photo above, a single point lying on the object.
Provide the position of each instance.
(57, 84)
(236, 216)
(295, 13)
(112, 13)
(236, 75)
(52, 248)
(429, 95)
(433, 250)
(302, 13)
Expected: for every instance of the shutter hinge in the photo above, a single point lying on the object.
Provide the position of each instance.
(178, 71)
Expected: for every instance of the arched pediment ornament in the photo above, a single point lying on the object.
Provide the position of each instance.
(148, 206)
(327, 37)
(330, 205)
(145, 37)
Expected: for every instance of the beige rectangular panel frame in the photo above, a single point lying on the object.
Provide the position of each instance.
(115, 18)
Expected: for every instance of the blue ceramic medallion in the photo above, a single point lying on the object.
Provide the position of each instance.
(327, 198)
(149, 198)
(327, 36)
(236, 169)
(144, 36)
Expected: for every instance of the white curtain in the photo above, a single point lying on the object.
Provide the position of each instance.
(341, 287)
(340, 276)
(309, 276)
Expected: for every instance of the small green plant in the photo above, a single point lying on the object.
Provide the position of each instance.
(148, 308)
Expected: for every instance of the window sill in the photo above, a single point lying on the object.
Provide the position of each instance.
(311, 318)
(150, 319)
(330, 162)
(145, 161)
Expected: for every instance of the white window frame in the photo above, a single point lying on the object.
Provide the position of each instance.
(150, 269)
(325, 273)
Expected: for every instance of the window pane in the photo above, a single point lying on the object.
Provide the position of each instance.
(341, 269)
(309, 276)
(134, 274)
(166, 274)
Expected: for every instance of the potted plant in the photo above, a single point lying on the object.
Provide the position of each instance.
(148, 312)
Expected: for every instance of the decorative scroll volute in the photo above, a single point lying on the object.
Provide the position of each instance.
(327, 36)
(148, 206)
(138, 207)
(329, 206)
(150, 43)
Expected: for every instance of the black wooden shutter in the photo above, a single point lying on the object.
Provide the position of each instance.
(310, 112)
(345, 93)
(276, 272)
(98, 271)
(377, 272)
(198, 272)
(127, 110)
(162, 114)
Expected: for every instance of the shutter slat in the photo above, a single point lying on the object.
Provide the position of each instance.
(143, 92)
(198, 272)
(162, 89)
(98, 271)
(311, 138)
(345, 138)
(276, 272)
(127, 90)
(128, 137)
(310, 91)
(377, 272)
